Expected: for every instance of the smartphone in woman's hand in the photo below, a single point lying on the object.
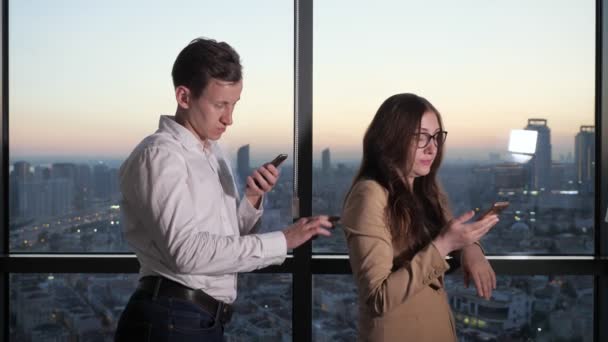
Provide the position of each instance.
(495, 209)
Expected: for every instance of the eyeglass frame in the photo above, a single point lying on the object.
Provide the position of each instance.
(430, 137)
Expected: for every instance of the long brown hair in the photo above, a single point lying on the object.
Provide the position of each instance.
(414, 216)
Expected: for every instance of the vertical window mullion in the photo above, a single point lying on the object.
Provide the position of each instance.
(600, 318)
(302, 277)
(4, 211)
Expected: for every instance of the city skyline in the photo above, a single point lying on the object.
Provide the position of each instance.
(259, 158)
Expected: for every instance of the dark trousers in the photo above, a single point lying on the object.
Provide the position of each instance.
(149, 318)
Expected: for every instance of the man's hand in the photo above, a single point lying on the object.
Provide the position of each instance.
(475, 266)
(260, 182)
(306, 228)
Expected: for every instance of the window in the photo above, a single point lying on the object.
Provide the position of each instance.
(522, 308)
(83, 93)
(488, 69)
(86, 307)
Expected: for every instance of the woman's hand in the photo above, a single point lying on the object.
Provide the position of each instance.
(476, 267)
(459, 234)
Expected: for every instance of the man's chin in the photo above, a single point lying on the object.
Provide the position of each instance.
(216, 136)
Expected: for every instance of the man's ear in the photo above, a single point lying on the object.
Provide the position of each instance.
(183, 97)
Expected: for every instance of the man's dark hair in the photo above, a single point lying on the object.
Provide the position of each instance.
(203, 59)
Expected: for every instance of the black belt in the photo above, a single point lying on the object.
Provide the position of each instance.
(160, 286)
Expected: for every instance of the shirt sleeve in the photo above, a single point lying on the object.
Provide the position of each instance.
(155, 182)
(248, 215)
(371, 252)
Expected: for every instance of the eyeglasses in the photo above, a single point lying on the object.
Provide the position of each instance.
(424, 139)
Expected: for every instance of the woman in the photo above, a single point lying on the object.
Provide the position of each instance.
(399, 231)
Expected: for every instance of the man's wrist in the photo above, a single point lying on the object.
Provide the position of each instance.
(255, 200)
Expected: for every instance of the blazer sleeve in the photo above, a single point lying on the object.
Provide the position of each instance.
(371, 252)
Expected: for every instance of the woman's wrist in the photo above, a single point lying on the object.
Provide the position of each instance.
(441, 246)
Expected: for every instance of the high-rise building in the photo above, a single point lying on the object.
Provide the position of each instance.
(326, 161)
(511, 310)
(84, 186)
(69, 173)
(584, 155)
(101, 181)
(45, 198)
(242, 163)
(558, 176)
(20, 174)
(540, 165)
(509, 176)
(64, 170)
(42, 173)
(21, 171)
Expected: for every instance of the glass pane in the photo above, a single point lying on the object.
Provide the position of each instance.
(86, 307)
(84, 92)
(522, 308)
(489, 68)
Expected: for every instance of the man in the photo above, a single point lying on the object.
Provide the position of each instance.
(182, 214)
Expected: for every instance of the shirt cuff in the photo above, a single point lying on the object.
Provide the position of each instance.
(250, 210)
(273, 244)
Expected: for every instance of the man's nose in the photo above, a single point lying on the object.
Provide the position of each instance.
(227, 117)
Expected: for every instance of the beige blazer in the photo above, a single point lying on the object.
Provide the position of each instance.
(408, 303)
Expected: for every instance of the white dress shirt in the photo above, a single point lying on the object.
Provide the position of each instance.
(182, 214)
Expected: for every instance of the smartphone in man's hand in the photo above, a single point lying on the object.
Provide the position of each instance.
(495, 209)
(276, 162)
(334, 219)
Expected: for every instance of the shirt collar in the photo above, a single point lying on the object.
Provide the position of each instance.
(168, 124)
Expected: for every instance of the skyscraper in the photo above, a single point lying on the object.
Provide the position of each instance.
(101, 181)
(64, 170)
(326, 161)
(509, 176)
(51, 197)
(21, 170)
(584, 155)
(20, 174)
(242, 163)
(84, 186)
(540, 165)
